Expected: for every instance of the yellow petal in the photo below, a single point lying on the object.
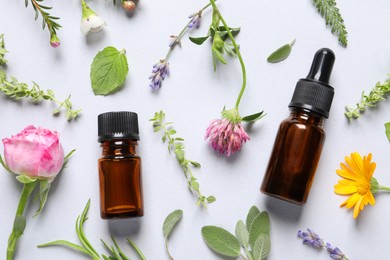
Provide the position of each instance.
(351, 201)
(357, 209)
(371, 198)
(344, 190)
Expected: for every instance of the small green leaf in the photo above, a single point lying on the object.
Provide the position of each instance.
(252, 214)
(108, 71)
(199, 40)
(242, 234)
(25, 179)
(253, 118)
(221, 241)
(136, 248)
(262, 247)
(211, 199)
(66, 244)
(44, 187)
(170, 222)
(260, 225)
(281, 53)
(387, 129)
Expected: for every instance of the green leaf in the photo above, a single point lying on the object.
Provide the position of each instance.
(211, 199)
(262, 247)
(108, 71)
(66, 244)
(252, 214)
(199, 40)
(136, 248)
(260, 225)
(281, 53)
(253, 118)
(25, 179)
(387, 129)
(170, 221)
(44, 187)
(221, 241)
(242, 234)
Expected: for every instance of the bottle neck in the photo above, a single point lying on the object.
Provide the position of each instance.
(119, 148)
(306, 116)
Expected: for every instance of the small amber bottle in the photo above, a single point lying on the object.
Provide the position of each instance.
(300, 138)
(120, 166)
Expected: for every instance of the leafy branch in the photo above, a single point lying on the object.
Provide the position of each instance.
(377, 94)
(328, 10)
(47, 19)
(176, 144)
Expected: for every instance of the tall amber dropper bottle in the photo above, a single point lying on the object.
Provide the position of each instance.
(120, 166)
(300, 138)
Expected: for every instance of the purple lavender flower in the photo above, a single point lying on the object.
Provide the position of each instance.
(195, 20)
(335, 252)
(311, 238)
(159, 72)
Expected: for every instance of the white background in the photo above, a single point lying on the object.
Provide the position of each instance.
(191, 97)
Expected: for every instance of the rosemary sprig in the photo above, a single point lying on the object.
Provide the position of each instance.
(377, 94)
(176, 144)
(3, 51)
(47, 19)
(328, 10)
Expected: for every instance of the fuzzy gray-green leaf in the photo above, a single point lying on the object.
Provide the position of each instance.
(108, 71)
(170, 222)
(242, 234)
(262, 247)
(252, 214)
(281, 53)
(221, 241)
(260, 225)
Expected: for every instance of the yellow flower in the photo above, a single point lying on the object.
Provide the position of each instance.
(357, 181)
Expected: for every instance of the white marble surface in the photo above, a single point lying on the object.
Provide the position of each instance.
(191, 97)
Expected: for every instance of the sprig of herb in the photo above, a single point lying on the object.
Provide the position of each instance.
(176, 144)
(169, 223)
(281, 54)
(328, 10)
(254, 237)
(47, 20)
(86, 248)
(3, 51)
(377, 94)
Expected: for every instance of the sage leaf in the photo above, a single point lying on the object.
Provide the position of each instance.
(253, 118)
(260, 225)
(387, 129)
(242, 234)
(170, 222)
(252, 214)
(262, 247)
(221, 241)
(108, 70)
(281, 53)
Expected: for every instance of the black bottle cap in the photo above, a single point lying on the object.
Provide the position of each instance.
(118, 125)
(313, 92)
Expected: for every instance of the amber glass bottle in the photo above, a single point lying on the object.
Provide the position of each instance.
(120, 166)
(300, 138)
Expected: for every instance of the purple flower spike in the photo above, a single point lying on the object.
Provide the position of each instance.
(195, 20)
(335, 252)
(159, 72)
(311, 238)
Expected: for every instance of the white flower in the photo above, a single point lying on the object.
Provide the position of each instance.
(92, 23)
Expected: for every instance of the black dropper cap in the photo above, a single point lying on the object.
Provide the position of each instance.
(118, 125)
(314, 92)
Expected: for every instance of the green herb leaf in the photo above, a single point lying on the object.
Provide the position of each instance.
(253, 118)
(25, 179)
(242, 234)
(199, 40)
(260, 225)
(108, 70)
(252, 214)
(136, 248)
(221, 241)
(3, 51)
(44, 187)
(262, 247)
(387, 128)
(66, 244)
(170, 221)
(281, 53)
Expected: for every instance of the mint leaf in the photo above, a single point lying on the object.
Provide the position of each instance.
(221, 241)
(170, 222)
(281, 53)
(262, 247)
(387, 129)
(108, 70)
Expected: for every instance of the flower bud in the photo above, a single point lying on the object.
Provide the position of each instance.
(128, 5)
(54, 41)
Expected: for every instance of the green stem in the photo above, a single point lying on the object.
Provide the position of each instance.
(380, 187)
(237, 51)
(20, 220)
(136, 248)
(241, 255)
(182, 32)
(166, 248)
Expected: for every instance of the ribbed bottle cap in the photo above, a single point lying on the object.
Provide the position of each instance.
(118, 125)
(313, 92)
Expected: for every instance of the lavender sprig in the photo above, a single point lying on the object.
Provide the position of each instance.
(313, 239)
(161, 68)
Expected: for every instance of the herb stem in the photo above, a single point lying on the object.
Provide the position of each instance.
(380, 187)
(166, 248)
(182, 32)
(237, 52)
(241, 255)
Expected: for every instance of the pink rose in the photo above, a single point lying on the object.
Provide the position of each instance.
(34, 152)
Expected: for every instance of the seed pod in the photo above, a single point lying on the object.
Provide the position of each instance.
(128, 5)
